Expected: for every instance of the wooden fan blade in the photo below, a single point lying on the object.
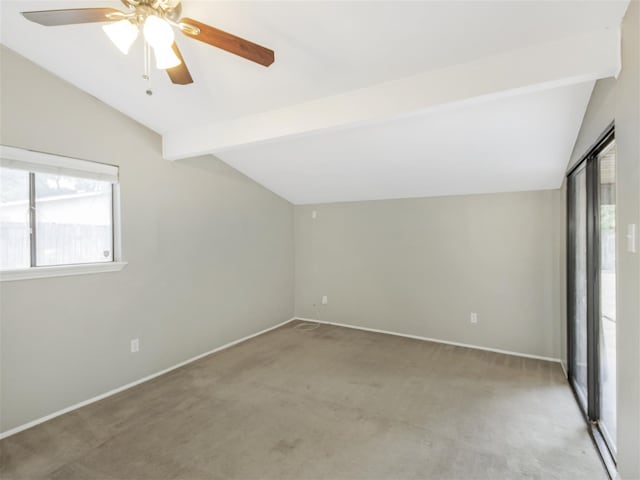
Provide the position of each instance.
(179, 75)
(230, 43)
(52, 18)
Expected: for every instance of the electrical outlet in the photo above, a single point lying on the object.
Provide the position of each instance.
(474, 317)
(135, 345)
(325, 299)
(314, 214)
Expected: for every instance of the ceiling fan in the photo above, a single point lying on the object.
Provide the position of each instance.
(156, 19)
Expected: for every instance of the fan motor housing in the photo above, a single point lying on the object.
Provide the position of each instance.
(169, 9)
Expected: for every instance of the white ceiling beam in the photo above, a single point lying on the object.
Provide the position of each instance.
(568, 61)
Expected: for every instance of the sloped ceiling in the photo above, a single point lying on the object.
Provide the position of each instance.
(510, 144)
(366, 100)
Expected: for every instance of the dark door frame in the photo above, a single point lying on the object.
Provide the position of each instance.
(591, 405)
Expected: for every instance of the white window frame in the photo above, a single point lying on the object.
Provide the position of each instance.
(39, 162)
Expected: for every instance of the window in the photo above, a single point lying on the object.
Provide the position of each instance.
(592, 291)
(14, 219)
(58, 215)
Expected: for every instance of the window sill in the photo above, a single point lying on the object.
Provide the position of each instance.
(60, 271)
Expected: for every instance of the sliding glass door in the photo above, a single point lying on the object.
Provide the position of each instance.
(592, 288)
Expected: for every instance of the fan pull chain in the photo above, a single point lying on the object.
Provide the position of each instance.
(147, 67)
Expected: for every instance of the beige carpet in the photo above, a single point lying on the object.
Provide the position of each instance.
(331, 403)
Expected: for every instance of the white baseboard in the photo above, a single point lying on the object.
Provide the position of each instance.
(564, 369)
(436, 340)
(40, 420)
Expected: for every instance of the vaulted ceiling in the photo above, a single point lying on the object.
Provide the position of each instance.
(366, 100)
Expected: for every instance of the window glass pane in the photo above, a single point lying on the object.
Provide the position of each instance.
(14, 219)
(607, 341)
(73, 220)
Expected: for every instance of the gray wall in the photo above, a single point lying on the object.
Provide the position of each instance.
(619, 100)
(561, 272)
(420, 266)
(210, 258)
(600, 113)
(627, 117)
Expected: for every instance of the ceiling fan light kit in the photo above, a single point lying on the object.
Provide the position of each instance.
(122, 33)
(159, 34)
(157, 20)
(165, 58)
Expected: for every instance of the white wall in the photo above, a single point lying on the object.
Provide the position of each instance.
(421, 266)
(210, 257)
